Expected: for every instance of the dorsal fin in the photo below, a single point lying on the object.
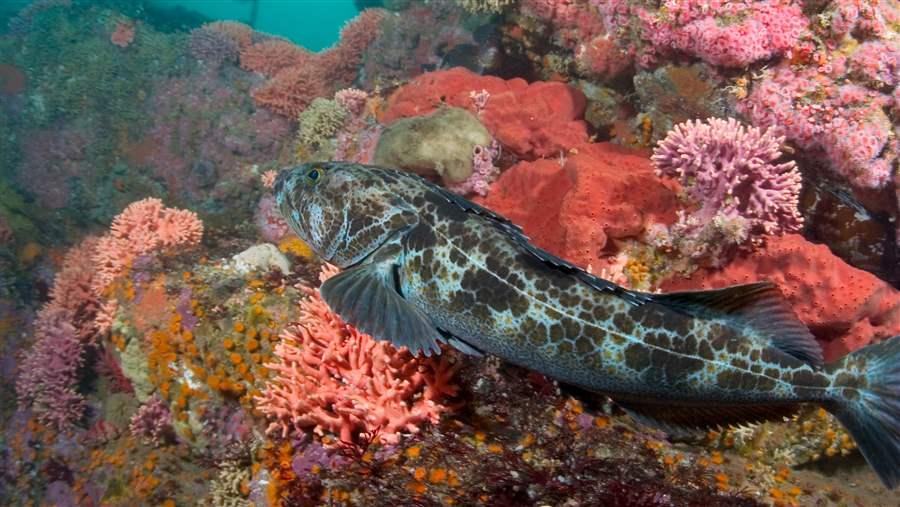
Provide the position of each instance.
(759, 307)
(518, 235)
(691, 420)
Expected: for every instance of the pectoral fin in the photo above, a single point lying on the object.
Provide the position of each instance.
(367, 298)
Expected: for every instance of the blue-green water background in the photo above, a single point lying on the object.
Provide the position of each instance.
(313, 24)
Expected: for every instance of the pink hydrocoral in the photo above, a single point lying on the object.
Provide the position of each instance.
(240, 33)
(144, 227)
(329, 377)
(341, 63)
(353, 100)
(731, 170)
(152, 423)
(268, 178)
(49, 372)
(270, 56)
(76, 313)
(294, 86)
(292, 90)
(64, 326)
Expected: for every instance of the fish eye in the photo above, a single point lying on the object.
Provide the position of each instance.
(313, 174)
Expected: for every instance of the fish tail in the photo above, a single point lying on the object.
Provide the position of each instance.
(866, 388)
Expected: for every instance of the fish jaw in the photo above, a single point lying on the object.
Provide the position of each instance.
(345, 213)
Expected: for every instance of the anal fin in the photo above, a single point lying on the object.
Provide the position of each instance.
(694, 419)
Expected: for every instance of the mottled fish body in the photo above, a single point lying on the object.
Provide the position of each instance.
(423, 266)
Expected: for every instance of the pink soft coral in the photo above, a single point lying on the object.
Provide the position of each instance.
(844, 123)
(728, 33)
(329, 377)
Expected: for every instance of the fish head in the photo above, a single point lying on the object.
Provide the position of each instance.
(342, 210)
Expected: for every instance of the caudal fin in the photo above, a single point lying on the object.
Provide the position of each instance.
(870, 409)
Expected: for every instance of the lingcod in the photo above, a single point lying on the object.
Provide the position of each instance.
(423, 267)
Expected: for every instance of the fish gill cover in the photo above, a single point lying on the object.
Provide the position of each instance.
(165, 340)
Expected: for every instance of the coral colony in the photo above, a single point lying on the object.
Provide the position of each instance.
(165, 341)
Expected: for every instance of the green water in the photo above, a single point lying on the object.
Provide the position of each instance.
(314, 24)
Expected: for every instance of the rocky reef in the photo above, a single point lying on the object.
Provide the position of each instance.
(165, 341)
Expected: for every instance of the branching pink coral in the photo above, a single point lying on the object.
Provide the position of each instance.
(240, 33)
(731, 170)
(341, 63)
(152, 423)
(329, 377)
(143, 227)
(292, 90)
(270, 56)
(49, 372)
(108, 366)
(64, 326)
(76, 314)
(294, 86)
(268, 178)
